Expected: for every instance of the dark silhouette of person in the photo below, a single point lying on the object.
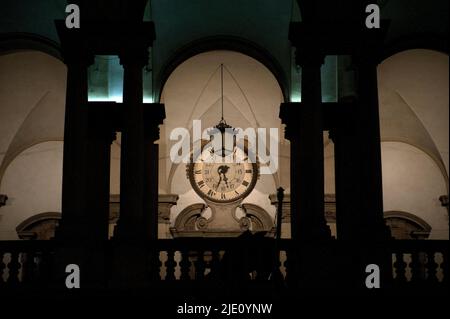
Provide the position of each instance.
(252, 257)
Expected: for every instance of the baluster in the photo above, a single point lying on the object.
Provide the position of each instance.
(170, 265)
(216, 271)
(162, 257)
(393, 272)
(2, 267)
(185, 265)
(240, 266)
(432, 268)
(208, 262)
(290, 265)
(416, 268)
(400, 268)
(200, 266)
(155, 264)
(229, 269)
(444, 267)
(256, 265)
(45, 267)
(40, 266)
(277, 274)
(28, 267)
(14, 267)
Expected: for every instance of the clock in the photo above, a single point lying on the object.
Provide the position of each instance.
(220, 181)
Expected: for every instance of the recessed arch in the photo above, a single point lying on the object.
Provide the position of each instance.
(32, 95)
(39, 226)
(260, 219)
(436, 159)
(252, 96)
(406, 225)
(12, 42)
(227, 43)
(413, 183)
(426, 41)
(413, 99)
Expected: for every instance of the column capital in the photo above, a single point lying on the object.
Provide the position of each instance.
(154, 115)
(134, 42)
(370, 45)
(309, 47)
(134, 56)
(309, 57)
(289, 114)
(74, 46)
(75, 57)
(332, 135)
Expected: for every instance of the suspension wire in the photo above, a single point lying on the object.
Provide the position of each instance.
(221, 86)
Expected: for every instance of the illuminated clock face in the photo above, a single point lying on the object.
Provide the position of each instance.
(222, 181)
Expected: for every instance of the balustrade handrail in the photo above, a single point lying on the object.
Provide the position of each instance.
(27, 245)
(197, 254)
(223, 243)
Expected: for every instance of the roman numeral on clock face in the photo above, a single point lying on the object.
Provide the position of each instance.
(211, 193)
(222, 196)
(201, 184)
(198, 171)
(245, 183)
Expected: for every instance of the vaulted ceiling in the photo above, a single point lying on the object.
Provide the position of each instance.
(263, 23)
(260, 24)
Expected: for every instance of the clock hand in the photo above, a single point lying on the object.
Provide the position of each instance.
(220, 180)
(225, 179)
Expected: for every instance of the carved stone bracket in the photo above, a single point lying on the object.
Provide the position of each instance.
(165, 202)
(3, 199)
(443, 199)
(286, 213)
(191, 223)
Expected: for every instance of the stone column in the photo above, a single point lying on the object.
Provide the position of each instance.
(308, 203)
(137, 225)
(368, 152)
(132, 166)
(154, 116)
(75, 233)
(304, 130)
(75, 158)
(359, 197)
(96, 228)
(101, 135)
(345, 138)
